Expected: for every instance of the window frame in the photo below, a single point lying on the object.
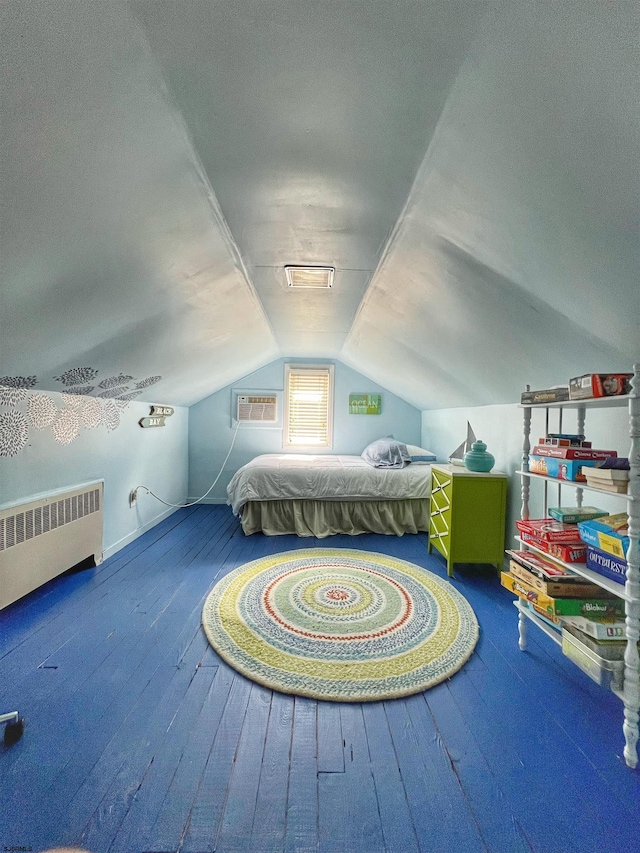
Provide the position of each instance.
(329, 370)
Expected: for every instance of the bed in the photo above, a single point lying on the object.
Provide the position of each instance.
(321, 495)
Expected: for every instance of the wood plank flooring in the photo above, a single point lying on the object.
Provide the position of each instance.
(139, 739)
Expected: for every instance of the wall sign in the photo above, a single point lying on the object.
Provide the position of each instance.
(151, 422)
(365, 404)
(162, 411)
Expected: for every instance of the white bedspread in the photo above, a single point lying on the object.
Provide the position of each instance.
(275, 476)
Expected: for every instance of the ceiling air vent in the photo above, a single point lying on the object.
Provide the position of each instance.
(321, 277)
(252, 409)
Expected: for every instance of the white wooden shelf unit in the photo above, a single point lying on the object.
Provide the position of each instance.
(630, 593)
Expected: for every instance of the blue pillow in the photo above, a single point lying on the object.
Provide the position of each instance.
(386, 452)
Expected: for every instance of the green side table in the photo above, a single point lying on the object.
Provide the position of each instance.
(467, 515)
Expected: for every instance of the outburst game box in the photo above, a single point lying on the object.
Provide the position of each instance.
(607, 565)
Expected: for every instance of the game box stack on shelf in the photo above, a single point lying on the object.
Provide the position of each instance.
(588, 619)
(588, 386)
(607, 542)
(569, 456)
(597, 626)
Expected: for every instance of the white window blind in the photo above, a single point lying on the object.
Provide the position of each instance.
(308, 406)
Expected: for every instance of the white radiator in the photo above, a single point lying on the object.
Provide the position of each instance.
(46, 536)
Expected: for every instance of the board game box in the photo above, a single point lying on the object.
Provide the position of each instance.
(543, 567)
(588, 607)
(607, 565)
(574, 552)
(546, 395)
(608, 533)
(599, 385)
(600, 629)
(610, 649)
(549, 529)
(553, 621)
(558, 589)
(574, 514)
(572, 452)
(561, 469)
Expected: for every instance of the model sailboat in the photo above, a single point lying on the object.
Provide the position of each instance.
(457, 457)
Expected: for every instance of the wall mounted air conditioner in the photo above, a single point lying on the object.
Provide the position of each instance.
(253, 409)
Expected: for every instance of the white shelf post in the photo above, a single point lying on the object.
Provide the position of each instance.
(526, 447)
(631, 692)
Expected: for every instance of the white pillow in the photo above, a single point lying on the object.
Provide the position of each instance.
(386, 452)
(420, 456)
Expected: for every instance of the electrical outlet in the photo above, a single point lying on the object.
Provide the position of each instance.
(133, 497)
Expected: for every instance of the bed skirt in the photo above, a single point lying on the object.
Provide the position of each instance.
(325, 518)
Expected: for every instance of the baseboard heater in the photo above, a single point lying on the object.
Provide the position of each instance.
(45, 536)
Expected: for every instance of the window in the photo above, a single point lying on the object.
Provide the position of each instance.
(308, 406)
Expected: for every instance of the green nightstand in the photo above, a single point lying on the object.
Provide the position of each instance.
(467, 515)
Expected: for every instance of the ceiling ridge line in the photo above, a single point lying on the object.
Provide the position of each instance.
(410, 202)
(205, 183)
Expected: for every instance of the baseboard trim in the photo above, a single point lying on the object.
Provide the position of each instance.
(208, 500)
(131, 537)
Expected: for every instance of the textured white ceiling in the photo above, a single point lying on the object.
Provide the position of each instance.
(470, 168)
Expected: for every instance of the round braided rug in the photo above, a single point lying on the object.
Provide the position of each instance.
(338, 624)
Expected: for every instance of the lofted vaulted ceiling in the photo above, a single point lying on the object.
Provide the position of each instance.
(469, 167)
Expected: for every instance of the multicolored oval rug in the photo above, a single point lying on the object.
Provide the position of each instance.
(338, 624)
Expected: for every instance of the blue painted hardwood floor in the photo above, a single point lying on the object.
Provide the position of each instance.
(139, 738)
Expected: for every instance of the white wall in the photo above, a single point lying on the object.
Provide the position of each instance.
(121, 453)
(211, 426)
(501, 428)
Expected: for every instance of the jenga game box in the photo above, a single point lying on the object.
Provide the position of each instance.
(599, 385)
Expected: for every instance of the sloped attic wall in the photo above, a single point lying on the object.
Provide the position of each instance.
(516, 258)
(119, 274)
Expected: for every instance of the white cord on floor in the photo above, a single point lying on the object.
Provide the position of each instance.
(183, 506)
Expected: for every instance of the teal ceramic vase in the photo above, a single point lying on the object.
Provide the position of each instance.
(477, 459)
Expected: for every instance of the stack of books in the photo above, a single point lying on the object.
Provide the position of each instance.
(608, 479)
